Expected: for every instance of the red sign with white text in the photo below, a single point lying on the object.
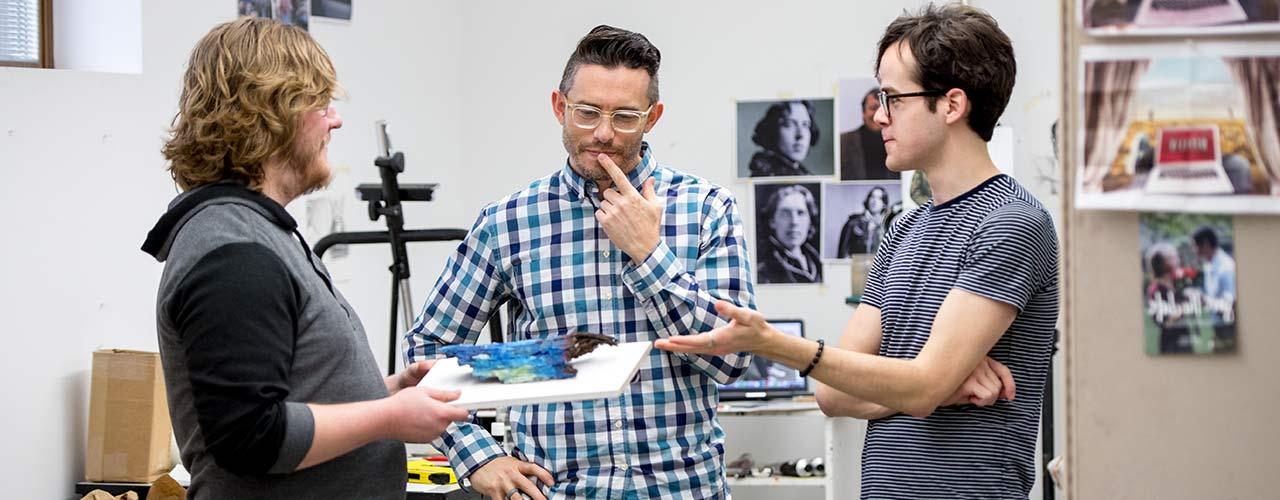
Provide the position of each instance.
(1187, 145)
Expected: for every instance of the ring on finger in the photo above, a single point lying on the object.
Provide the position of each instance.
(511, 491)
(713, 340)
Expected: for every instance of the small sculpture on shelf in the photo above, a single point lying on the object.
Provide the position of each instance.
(527, 360)
(813, 467)
(745, 466)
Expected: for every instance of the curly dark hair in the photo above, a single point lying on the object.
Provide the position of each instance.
(884, 195)
(771, 205)
(766, 131)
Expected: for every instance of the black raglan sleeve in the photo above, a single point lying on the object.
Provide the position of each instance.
(237, 312)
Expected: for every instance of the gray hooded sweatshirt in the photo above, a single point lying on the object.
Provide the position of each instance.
(251, 329)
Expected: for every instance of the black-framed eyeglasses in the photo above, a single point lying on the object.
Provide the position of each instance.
(886, 98)
(589, 117)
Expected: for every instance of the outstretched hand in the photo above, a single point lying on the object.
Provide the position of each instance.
(747, 331)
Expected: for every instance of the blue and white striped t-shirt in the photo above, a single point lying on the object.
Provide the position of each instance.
(996, 241)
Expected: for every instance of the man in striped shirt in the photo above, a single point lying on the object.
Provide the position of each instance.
(960, 288)
(594, 247)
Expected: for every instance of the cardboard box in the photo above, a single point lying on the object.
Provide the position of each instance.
(129, 428)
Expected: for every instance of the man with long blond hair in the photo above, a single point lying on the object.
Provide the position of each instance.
(273, 391)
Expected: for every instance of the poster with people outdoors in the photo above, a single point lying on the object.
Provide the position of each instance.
(1188, 283)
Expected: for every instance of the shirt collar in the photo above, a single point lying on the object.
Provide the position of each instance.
(1217, 260)
(580, 186)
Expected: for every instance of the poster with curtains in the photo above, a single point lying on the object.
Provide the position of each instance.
(1180, 127)
(1103, 18)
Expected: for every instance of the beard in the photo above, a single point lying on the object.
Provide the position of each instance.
(308, 168)
(625, 153)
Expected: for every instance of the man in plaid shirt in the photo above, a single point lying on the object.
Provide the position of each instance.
(594, 247)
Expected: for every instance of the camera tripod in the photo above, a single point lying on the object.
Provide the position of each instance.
(384, 200)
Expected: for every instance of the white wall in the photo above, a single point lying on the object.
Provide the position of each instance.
(91, 35)
(466, 87)
(1036, 100)
(83, 181)
(401, 63)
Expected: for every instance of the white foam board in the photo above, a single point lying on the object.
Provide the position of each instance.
(602, 373)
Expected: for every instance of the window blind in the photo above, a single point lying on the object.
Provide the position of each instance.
(20, 31)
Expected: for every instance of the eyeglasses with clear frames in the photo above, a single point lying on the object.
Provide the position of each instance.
(589, 117)
(885, 98)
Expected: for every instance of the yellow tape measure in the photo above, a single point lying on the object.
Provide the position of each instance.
(427, 472)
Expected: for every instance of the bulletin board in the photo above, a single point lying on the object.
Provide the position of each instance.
(1161, 426)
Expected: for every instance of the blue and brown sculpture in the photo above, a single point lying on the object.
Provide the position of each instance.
(527, 360)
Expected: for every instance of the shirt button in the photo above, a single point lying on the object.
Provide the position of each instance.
(608, 295)
(605, 253)
(617, 424)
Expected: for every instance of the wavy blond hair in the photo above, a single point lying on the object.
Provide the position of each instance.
(244, 94)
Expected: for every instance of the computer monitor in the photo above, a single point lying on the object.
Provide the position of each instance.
(766, 379)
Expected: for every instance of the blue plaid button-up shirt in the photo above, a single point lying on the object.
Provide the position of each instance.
(542, 251)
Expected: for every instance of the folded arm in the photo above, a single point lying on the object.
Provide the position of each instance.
(965, 329)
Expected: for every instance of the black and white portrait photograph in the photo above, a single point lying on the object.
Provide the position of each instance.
(254, 8)
(861, 146)
(856, 217)
(291, 12)
(788, 227)
(294, 12)
(331, 9)
(786, 138)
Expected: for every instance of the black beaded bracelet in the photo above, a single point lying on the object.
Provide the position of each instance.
(814, 364)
